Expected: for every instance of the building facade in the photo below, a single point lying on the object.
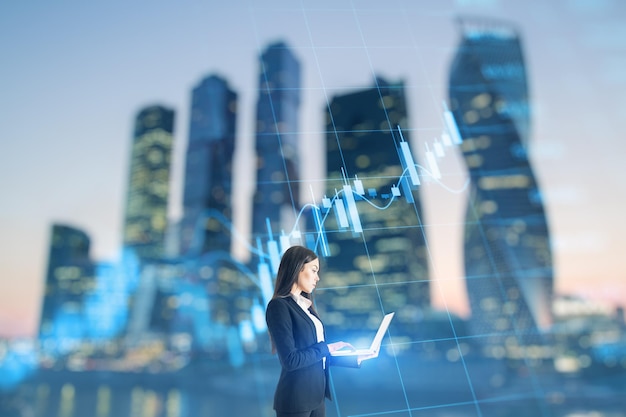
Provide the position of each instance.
(378, 260)
(69, 279)
(207, 194)
(508, 260)
(276, 198)
(148, 192)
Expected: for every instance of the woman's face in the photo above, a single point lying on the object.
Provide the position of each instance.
(307, 278)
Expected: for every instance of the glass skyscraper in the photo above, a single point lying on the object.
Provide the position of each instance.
(384, 267)
(149, 183)
(209, 168)
(276, 196)
(69, 278)
(508, 260)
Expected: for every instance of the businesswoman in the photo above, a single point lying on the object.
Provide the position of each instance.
(297, 335)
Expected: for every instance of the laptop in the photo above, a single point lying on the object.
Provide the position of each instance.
(375, 346)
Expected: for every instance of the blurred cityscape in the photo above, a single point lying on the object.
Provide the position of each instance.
(176, 326)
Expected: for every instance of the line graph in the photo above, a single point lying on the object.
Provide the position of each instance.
(344, 206)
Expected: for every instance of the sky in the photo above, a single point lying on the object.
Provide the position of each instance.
(75, 74)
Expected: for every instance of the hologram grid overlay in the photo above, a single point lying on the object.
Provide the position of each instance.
(372, 34)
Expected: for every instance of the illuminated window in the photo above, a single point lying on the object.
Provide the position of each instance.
(471, 117)
(481, 101)
(362, 161)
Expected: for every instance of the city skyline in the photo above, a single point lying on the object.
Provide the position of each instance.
(22, 302)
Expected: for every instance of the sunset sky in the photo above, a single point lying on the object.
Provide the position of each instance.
(75, 74)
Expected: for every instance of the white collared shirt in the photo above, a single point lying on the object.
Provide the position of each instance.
(305, 304)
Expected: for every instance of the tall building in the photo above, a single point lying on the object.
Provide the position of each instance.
(149, 183)
(276, 195)
(69, 278)
(207, 195)
(508, 260)
(384, 266)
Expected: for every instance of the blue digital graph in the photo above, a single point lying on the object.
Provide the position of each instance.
(183, 333)
(343, 206)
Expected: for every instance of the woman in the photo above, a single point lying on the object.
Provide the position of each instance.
(297, 335)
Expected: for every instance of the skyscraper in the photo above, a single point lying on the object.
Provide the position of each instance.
(384, 267)
(69, 277)
(508, 261)
(276, 195)
(209, 168)
(149, 182)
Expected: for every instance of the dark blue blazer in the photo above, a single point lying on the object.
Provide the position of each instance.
(303, 381)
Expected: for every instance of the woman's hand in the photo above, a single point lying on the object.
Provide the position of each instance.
(332, 347)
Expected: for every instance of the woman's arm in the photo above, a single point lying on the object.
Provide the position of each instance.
(280, 326)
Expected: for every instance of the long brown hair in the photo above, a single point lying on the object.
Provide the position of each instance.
(291, 264)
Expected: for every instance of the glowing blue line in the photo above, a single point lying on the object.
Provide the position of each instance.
(267, 290)
(430, 157)
(391, 200)
(502, 398)
(380, 300)
(408, 160)
(448, 142)
(284, 243)
(453, 128)
(214, 214)
(358, 186)
(445, 138)
(354, 214)
(320, 232)
(274, 254)
(438, 149)
(342, 217)
(332, 121)
(408, 194)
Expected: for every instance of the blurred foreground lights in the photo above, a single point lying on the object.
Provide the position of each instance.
(181, 342)
(571, 364)
(497, 380)
(453, 355)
